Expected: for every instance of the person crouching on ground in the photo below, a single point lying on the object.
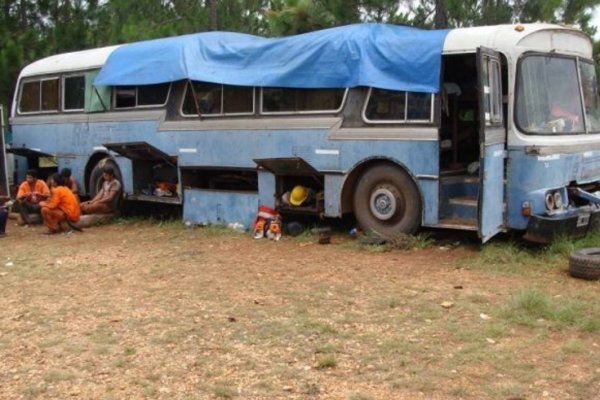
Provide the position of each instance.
(29, 195)
(62, 206)
(104, 202)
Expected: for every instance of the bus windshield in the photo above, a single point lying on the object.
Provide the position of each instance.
(550, 99)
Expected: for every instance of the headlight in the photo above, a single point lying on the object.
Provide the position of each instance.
(557, 200)
(549, 201)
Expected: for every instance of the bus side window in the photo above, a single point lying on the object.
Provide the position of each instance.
(285, 100)
(397, 106)
(218, 100)
(124, 96)
(153, 95)
(30, 97)
(74, 93)
(419, 106)
(40, 96)
(386, 105)
(50, 94)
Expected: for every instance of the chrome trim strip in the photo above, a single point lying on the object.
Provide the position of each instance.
(428, 177)
(44, 119)
(381, 133)
(328, 152)
(118, 116)
(125, 116)
(246, 124)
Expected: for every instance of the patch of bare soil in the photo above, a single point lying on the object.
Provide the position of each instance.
(142, 310)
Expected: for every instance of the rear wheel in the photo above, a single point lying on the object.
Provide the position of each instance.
(387, 202)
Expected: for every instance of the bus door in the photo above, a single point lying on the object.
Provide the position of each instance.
(492, 143)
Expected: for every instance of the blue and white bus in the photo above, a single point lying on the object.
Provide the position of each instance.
(485, 129)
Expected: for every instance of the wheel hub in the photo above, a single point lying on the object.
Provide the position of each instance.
(383, 203)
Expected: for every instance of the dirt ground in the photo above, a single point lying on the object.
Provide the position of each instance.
(136, 310)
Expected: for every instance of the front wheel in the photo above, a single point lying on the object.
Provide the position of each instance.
(387, 202)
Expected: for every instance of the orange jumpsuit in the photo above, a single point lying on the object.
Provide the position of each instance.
(26, 190)
(63, 205)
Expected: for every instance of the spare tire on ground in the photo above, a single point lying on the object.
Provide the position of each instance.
(585, 263)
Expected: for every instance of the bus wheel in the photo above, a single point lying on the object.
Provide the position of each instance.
(387, 202)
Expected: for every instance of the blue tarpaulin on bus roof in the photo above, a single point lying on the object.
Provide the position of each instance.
(378, 55)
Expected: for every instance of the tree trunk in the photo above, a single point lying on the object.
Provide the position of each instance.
(441, 19)
(214, 17)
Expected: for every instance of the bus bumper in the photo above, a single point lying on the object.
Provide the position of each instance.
(545, 228)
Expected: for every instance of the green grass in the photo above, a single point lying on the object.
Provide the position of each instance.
(521, 257)
(224, 391)
(54, 376)
(359, 396)
(326, 362)
(534, 308)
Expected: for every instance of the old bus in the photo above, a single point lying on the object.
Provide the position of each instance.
(486, 129)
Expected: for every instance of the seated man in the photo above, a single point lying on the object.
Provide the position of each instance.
(70, 181)
(62, 206)
(29, 195)
(104, 202)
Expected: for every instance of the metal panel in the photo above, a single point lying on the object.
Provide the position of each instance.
(141, 151)
(266, 188)
(27, 152)
(291, 166)
(333, 192)
(219, 207)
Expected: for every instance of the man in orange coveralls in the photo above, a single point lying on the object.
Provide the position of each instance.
(31, 192)
(62, 206)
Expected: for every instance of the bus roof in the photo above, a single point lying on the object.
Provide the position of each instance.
(516, 38)
(69, 62)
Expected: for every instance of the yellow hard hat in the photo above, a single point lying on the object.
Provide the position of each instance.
(298, 195)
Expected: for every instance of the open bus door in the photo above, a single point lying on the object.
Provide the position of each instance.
(4, 189)
(492, 144)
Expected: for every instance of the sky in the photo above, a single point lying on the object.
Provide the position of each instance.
(596, 22)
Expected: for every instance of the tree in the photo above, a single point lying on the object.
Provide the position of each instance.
(297, 16)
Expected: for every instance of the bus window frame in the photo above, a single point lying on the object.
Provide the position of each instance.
(317, 112)
(114, 99)
(494, 74)
(220, 115)
(577, 60)
(63, 88)
(39, 80)
(405, 121)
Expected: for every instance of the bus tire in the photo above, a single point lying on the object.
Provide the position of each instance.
(585, 263)
(387, 202)
(96, 179)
